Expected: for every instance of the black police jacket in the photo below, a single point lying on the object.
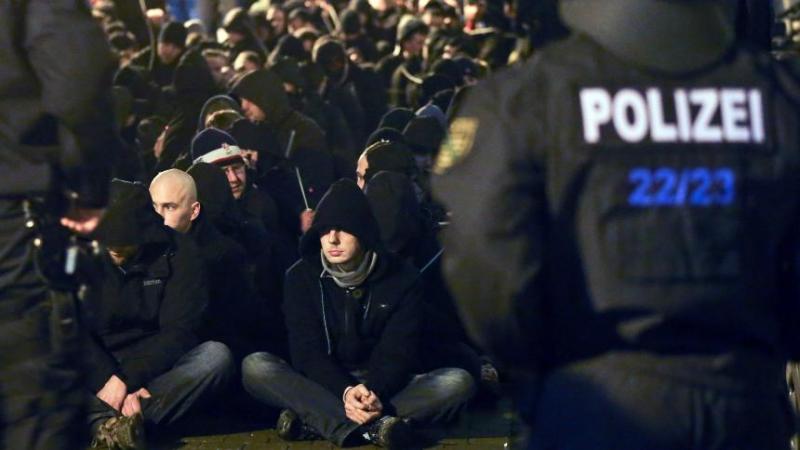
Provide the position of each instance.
(598, 208)
(55, 111)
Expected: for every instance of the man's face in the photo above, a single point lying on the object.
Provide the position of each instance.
(237, 178)
(119, 255)
(168, 53)
(219, 68)
(173, 204)
(340, 247)
(277, 19)
(413, 46)
(252, 111)
(361, 171)
(234, 37)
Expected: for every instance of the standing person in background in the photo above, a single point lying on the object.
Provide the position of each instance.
(624, 224)
(57, 140)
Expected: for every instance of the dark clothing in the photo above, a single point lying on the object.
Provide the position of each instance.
(148, 312)
(233, 311)
(578, 257)
(193, 84)
(370, 92)
(159, 73)
(56, 133)
(333, 330)
(578, 409)
(258, 205)
(437, 395)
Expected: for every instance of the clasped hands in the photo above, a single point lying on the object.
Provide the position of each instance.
(361, 405)
(115, 394)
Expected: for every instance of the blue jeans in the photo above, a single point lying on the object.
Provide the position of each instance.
(428, 397)
(197, 377)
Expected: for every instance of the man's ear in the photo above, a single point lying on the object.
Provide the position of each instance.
(195, 210)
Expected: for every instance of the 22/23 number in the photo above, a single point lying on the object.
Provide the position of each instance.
(698, 186)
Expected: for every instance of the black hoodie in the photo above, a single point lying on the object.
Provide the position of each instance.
(334, 330)
(149, 309)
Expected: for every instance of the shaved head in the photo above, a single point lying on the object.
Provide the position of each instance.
(175, 199)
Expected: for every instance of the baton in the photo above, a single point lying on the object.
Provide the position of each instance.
(296, 168)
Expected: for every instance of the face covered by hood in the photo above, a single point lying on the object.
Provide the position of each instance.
(394, 204)
(264, 88)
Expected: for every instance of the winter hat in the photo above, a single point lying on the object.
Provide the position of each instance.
(215, 146)
(391, 156)
(350, 22)
(122, 40)
(424, 135)
(346, 208)
(195, 26)
(396, 118)
(395, 207)
(130, 218)
(173, 33)
(214, 104)
(386, 134)
(431, 110)
(289, 45)
(408, 26)
(467, 67)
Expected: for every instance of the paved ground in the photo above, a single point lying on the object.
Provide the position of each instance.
(487, 428)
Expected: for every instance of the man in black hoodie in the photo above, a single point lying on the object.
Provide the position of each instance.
(354, 314)
(144, 358)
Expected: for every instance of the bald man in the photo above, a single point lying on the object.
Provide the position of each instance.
(175, 199)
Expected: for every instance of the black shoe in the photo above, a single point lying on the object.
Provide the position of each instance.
(291, 428)
(391, 432)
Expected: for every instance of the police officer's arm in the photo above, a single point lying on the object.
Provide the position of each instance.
(72, 62)
(490, 176)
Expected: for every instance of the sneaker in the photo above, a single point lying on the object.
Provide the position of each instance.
(121, 433)
(391, 432)
(291, 428)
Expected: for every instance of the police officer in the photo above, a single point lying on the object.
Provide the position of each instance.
(56, 141)
(624, 222)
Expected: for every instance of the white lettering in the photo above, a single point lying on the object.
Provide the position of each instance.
(684, 114)
(596, 111)
(705, 115)
(702, 129)
(756, 115)
(733, 107)
(660, 131)
(630, 130)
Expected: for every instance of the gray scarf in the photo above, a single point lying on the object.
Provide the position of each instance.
(345, 279)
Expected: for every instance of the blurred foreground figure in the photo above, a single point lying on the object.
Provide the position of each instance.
(56, 146)
(624, 224)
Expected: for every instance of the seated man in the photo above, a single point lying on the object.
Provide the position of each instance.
(234, 317)
(144, 360)
(354, 314)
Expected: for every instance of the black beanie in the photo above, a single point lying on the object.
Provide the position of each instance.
(390, 156)
(396, 209)
(130, 218)
(396, 118)
(351, 24)
(410, 25)
(288, 69)
(385, 134)
(424, 135)
(433, 84)
(173, 33)
(326, 51)
(346, 208)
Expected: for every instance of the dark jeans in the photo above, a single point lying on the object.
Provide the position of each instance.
(428, 397)
(41, 393)
(602, 407)
(196, 378)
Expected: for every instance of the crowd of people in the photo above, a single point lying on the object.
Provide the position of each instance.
(271, 231)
